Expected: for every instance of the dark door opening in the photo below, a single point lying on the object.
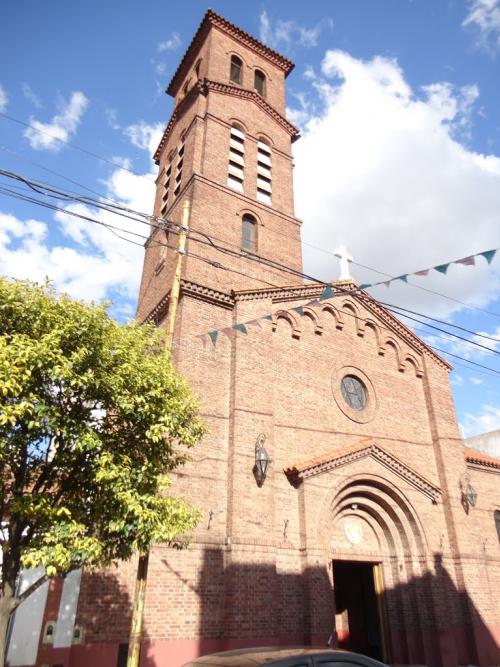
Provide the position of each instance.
(357, 609)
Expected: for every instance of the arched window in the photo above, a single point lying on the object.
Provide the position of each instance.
(235, 173)
(197, 69)
(259, 82)
(497, 522)
(236, 69)
(264, 180)
(185, 88)
(249, 232)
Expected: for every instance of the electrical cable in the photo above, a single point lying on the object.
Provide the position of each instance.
(54, 192)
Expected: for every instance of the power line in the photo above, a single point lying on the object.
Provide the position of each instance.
(48, 190)
(76, 147)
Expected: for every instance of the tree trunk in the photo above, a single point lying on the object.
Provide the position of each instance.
(6, 599)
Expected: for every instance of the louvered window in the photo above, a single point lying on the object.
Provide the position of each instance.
(166, 190)
(264, 177)
(235, 175)
(178, 169)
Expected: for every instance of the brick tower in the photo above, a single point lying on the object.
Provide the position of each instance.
(227, 148)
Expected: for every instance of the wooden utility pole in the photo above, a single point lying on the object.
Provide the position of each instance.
(134, 647)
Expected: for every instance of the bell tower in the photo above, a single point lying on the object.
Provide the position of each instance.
(226, 148)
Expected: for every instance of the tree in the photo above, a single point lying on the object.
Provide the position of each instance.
(93, 417)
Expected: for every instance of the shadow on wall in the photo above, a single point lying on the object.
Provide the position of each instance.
(428, 620)
(243, 603)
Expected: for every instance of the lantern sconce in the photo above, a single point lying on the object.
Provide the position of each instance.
(469, 493)
(262, 460)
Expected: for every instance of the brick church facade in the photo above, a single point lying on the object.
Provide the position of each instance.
(364, 530)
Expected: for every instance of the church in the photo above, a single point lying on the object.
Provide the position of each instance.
(339, 502)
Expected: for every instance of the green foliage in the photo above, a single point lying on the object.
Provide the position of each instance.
(92, 418)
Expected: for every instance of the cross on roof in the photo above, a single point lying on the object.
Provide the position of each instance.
(345, 258)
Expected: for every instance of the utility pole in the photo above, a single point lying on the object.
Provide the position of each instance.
(134, 647)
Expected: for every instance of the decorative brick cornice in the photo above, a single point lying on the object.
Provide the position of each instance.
(478, 459)
(203, 86)
(209, 294)
(348, 455)
(210, 19)
(298, 292)
(228, 89)
(193, 290)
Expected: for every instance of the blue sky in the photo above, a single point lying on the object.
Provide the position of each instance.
(398, 105)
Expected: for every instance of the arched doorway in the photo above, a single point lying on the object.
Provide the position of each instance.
(378, 554)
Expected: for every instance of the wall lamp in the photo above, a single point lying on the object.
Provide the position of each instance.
(469, 493)
(262, 460)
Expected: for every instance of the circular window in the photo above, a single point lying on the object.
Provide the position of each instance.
(353, 392)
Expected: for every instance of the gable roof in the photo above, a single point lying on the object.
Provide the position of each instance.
(478, 458)
(340, 457)
(210, 19)
(349, 288)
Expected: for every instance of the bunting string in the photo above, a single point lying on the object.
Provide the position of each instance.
(331, 291)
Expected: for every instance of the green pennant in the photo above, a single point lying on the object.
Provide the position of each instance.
(365, 286)
(442, 268)
(267, 317)
(213, 336)
(404, 278)
(240, 327)
(299, 309)
(328, 293)
(488, 255)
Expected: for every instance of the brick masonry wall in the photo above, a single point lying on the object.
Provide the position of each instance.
(259, 569)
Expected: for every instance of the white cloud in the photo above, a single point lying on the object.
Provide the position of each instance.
(3, 99)
(145, 136)
(284, 34)
(484, 17)
(30, 95)
(487, 420)
(170, 44)
(476, 381)
(48, 136)
(90, 262)
(382, 171)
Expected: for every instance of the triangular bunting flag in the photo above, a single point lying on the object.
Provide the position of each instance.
(267, 317)
(442, 268)
(203, 339)
(404, 278)
(213, 337)
(254, 323)
(299, 309)
(387, 283)
(424, 272)
(328, 293)
(313, 304)
(468, 261)
(229, 332)
(240, 327)
(488, 255)
(365, 286)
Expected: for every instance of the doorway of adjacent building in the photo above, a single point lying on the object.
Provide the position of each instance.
(359, 617)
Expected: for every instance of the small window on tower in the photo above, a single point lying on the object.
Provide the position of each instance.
(236, 69)
(497, 523)
(249, 233)
(197, 69)
(260, 82)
